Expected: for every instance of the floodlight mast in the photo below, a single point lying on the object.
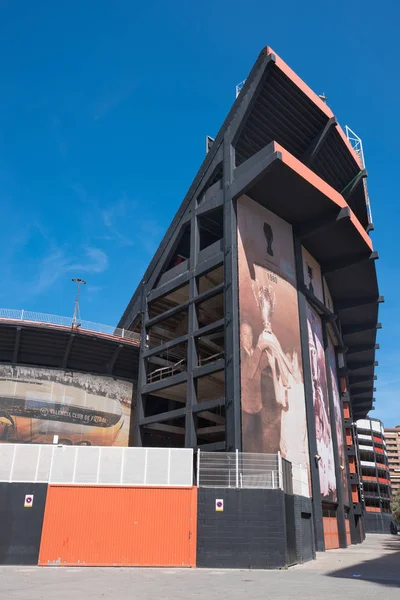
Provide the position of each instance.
(77, 313)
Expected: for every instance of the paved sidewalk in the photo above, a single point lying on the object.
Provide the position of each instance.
(367, 571)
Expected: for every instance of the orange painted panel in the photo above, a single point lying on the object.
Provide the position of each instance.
(331, 534)
(380, 450)
(354, 493)
(375, 509)
(346, 411)
(348, 534)
(352, 464)
(131, 526)
(349, 438)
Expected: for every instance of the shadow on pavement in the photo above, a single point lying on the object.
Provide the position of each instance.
(384, 570)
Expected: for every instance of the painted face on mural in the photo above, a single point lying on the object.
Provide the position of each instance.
(246, 336)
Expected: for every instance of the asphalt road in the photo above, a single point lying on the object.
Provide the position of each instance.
(366, 571)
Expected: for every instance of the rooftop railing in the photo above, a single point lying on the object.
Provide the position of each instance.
(28, 316)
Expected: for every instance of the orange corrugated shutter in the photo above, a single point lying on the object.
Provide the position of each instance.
(331, 534)
(348, 534)
(94, 526)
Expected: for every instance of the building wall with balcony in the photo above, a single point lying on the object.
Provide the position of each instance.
(392, 436)
(375, 475)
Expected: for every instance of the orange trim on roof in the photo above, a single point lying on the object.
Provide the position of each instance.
(300, 83)
(314, 98)
(309, 175)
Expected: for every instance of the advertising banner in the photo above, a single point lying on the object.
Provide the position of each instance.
(326, 462)
(272, 390)
(78, 408)
(338, 416)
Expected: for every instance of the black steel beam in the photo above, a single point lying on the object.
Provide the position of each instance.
(351, 186)
(208, 405)
(16, 345)
(209, 264)
(210, 328)
(350, 261)
(231, 308)
(176, 309)
(317, 143)
(169, 249)
(310, 228)
(162, 417)
(212, 447)
(319, 306)
(210, 368)
(150, 388)
(112, 362)
(246, 178)
(192, 358)
(360, 379)
(248, 96)
(363, 392)
(362, 365)
(67, 350)
(356, 302)
(360, 328)
(309, 400)
(168, 287)
(211, 204)
(164, 347)
(142, 376)
(361, 348)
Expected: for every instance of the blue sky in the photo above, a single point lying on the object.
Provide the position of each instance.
(104, 108)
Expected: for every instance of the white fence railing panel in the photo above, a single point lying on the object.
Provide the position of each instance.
(96, 465)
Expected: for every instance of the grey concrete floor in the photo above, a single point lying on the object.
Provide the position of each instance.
(366, 571)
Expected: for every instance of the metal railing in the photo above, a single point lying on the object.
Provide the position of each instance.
(209, 359)
(239, 470)
(28, 316)
(165, 372)
(250, 470)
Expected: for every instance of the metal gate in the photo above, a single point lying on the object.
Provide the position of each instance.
(119, 526)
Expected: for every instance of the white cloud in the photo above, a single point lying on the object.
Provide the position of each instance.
(58, 264)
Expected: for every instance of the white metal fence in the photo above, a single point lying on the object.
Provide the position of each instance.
(250, 470)
(96, 465)
(239, 470)
(35, 317)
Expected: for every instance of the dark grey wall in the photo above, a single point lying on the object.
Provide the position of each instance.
(250, 533)
(305, 539)
(21, 528)
(377, 522)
